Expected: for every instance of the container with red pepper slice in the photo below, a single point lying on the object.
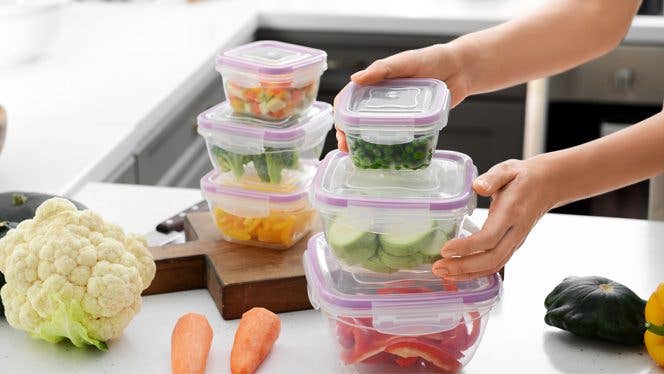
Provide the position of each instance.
(400, 322)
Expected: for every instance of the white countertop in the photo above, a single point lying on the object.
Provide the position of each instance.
(116, 70)
(516, 338)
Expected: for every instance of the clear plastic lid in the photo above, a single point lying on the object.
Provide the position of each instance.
(272, 61)
(444, 188)
(403, 304)
(418, 104)
(250, 203)
(246, 135)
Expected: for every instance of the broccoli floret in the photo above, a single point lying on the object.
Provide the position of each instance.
(269, 165)
(228, 161)
(275, 164)
(278, 161)
(291, 159)
(260, 164)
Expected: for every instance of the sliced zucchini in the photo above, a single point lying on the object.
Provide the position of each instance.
(349, 243)
(400, 262)
(375, 264)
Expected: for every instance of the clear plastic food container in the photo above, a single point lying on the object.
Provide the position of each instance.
(256, 156)
(393, 124)
(387, 221)
(387, 324)
(272, 220)
(271, 80)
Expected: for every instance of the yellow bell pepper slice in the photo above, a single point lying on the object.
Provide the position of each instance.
(280, 227)
(654, 336)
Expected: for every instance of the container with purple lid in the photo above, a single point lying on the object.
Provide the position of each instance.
(256, 155)
(271, 80)
(390, 221)
(403, 321)
(259, 218)
(393, 124)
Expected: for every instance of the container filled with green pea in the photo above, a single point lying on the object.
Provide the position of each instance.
(393, 125)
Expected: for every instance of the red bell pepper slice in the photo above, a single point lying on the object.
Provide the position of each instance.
(368, 343)
(472, 337)
(380, 358)
(415, 348)
(407, 362)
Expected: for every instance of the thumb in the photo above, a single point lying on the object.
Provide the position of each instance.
(493, 180)
(400, 65)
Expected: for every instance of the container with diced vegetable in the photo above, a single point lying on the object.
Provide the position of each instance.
(255, 155)
(387, 221)
(258, 218)
(393, 124)
(398, 323)
(271, 80)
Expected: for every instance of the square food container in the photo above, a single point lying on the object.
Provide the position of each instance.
(257, 218)
(271, 80)
(254, 155)
(387, 221)
(393, 124)
(387, 324)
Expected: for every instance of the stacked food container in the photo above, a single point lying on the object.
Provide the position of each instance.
(264, 142)
(388, 206)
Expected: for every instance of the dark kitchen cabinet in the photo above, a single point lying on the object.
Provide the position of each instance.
(487, 127)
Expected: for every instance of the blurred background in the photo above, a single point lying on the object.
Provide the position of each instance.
(90, 48)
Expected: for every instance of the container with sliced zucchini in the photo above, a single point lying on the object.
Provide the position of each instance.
(383, 222)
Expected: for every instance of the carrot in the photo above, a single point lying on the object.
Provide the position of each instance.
(190, 344)
(258, 330)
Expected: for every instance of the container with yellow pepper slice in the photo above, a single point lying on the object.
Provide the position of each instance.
(258, 218)
(654, 335)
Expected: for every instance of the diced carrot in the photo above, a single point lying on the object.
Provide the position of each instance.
(278, 114)
(255, 109)
(297, 96)
(258, 330)
(190, 344)
(252, 94)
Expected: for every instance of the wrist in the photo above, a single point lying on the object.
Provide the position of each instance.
(547, 169)
(466, 54)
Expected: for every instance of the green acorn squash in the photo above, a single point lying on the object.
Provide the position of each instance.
(598, 308)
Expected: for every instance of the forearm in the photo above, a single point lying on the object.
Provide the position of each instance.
(558, 36)
(623, 158)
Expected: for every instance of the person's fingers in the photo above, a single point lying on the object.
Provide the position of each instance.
(482, 263)
(402, 65)
(341, 141)
(469, 276)
(488, 237)
(493, 180)
(338, 97)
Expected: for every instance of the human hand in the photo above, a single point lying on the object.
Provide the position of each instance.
(520, 195)
(440, 61)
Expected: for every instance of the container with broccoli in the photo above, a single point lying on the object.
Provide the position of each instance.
(385, 222)
(394, 124)
(255, 155)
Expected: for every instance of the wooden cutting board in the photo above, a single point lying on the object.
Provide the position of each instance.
(238, 277)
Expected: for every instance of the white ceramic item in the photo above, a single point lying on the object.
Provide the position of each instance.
(27, 27)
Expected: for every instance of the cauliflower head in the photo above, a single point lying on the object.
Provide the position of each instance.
(70, 275)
